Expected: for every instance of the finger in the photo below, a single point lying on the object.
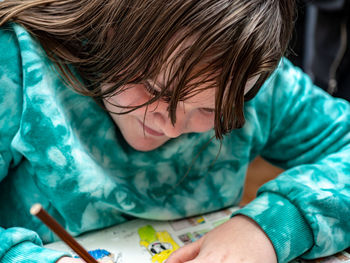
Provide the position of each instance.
(185, 253)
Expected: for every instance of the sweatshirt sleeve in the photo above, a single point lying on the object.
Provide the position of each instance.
(16, 244)
(21, 245)
(305, 211)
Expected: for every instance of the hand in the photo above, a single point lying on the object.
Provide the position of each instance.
(238, 240)
(70, 260)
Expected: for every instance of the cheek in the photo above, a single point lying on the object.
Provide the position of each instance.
(200, 122)
(131, 96)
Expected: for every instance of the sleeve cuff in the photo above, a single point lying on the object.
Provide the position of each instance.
(282, 222)
(29, 252)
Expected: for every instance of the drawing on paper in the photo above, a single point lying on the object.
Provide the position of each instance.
(102, 255)
(187, 223)
(190, 237)
(159, 244)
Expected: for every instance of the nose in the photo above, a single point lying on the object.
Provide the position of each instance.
(163, 121)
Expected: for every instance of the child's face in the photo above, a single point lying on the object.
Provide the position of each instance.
(148, 132)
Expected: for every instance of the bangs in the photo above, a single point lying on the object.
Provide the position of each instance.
(222, 51)
(202, 44)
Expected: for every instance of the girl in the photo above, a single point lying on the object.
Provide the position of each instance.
(110, 109)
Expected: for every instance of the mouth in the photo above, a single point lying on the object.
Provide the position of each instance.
(151, 131)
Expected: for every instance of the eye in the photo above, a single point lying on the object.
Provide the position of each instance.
(151, 90)
(207, 110)
(155, 92)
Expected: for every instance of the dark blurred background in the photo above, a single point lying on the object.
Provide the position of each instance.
(321, 44)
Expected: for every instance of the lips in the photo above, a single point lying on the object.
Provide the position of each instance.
(151, 131)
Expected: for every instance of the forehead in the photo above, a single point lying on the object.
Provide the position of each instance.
(202, 76)
(180, 56)
(204, 98)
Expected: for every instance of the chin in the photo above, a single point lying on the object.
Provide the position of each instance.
(144, 145)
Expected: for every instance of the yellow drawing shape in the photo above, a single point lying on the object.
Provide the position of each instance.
(159, 244)
(200, 220)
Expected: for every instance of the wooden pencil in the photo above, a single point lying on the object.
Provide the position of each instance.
(40, 212)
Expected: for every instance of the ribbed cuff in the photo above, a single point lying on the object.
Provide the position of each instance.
(282, 222)
(27, 252)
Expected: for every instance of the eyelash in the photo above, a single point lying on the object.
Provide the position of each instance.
(207, 110)
(151, 90)
(154, 92)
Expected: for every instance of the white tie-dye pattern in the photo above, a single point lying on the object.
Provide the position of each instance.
(141, 182)
(90, 216)
(327, 234)
(56, 156)
(124, 201)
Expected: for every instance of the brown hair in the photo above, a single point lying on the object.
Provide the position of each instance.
(123, 41)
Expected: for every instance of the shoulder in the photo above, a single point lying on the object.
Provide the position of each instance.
(290, 85)
(290, 94)
(10, 66)
(10, 58)
(7, 36)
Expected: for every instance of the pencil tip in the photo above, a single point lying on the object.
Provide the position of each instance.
(34, 210)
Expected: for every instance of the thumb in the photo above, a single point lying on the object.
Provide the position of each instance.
(185, 253)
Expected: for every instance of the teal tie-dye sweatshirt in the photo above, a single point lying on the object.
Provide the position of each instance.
(61, 149)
